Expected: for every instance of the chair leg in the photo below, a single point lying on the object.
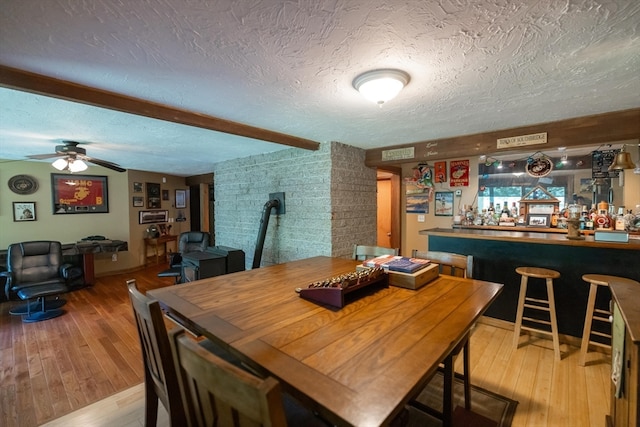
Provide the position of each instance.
(150, 402)
(586, 332)
(467, 372)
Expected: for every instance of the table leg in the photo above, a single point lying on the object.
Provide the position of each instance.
(88, 268)
(447, 398)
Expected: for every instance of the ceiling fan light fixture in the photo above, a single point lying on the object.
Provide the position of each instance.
(77, 165)
(380, 86)
(60, 164)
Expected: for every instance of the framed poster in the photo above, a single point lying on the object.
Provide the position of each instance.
(181, 199)
(78, 194)
(444, 203)
(153, 195)
(459, 173)
(24, 211)
(150, 217)
(137, 187)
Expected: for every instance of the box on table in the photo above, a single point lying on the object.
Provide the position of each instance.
(414, 280)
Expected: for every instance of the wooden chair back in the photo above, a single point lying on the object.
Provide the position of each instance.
(218, 393)
(362, 252)
(160, 378)
(450, 263)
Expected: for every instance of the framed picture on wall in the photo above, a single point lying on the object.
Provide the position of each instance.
(137, 187)
(444, 203)
(181, 199)
(24, 211)
(150, 217)
(153, 195)
(138, 201)
(79, 194)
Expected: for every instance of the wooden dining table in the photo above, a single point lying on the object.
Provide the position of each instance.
(355, 365)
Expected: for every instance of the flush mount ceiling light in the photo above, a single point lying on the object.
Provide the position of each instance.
(380, 86)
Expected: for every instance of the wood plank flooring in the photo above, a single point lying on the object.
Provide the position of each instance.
(85, 367)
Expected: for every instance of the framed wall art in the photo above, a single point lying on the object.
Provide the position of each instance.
(24, 211)
(138, 202)
(153, 195)
(150, 217)
(78, 194)
(538, 220)
(137, 187)
(444, 203)
(181, 199)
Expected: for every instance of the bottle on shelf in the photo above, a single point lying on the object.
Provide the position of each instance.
(514, 210)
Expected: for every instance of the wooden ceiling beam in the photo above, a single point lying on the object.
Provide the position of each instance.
(43, 85)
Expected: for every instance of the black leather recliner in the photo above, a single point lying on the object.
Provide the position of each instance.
(35, 270)
(189, 241)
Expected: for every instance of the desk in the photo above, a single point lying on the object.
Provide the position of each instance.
(358, 365)
(157, 241)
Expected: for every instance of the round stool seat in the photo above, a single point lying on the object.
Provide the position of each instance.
(541, 273)
(604, 280)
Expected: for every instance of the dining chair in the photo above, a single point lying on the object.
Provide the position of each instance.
(458, 265)
(450, 263)
(216, 392)
(160, 378)
(363, 252)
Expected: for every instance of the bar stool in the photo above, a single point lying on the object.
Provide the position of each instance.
(547, 305)
(596, 314)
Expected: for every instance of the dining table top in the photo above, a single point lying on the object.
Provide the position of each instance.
(356, 365)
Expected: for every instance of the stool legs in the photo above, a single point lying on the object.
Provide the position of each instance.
(554, 320)
(553, 323)
(593, 314)
(519, 313)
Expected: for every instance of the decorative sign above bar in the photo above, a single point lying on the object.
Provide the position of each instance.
(398, 154)
(600, 162)
(520, 141)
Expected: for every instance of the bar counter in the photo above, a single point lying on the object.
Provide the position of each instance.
(497, 253)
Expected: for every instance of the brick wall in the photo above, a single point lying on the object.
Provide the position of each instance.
(330, 202)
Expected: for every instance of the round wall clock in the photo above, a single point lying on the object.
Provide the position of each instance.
(539, 167)
(23, 184)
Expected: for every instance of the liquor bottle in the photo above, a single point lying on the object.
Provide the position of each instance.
(514, 210)
(554, 218)
(505, 208)
(491, 210)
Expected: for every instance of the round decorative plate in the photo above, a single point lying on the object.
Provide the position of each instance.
(539, 167)
(23, 184)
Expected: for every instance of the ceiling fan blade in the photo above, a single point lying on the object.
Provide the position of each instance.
(45, 156)
(104, 163)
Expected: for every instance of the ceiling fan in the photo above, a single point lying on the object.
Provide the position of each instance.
(72, 158)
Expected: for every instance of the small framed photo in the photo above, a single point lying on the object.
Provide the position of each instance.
(538, 220)
(444, 203)
(24, 211)
(137, 187)
(181, 199)
(138, 201)
(165, 194)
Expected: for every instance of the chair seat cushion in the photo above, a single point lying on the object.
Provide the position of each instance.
(41, 291)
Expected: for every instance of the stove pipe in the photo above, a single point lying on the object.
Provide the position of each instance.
(262, 232)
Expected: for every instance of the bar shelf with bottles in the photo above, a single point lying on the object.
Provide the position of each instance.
(574, 220)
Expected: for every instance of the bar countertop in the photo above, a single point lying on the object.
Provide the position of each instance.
(536, 237)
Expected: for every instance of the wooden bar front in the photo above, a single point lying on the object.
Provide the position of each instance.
(496, 254)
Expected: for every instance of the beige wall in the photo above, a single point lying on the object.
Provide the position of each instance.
(120, 223)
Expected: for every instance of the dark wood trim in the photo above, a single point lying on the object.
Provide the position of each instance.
(48, 86)
(574, 132)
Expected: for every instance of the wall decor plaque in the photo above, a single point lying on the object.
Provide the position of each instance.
(23, 184)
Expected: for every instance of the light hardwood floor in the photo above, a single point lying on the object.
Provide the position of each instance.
(85, 367)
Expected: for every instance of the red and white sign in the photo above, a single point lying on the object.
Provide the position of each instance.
(459, 173)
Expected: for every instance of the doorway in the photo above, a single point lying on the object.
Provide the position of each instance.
(388, 203)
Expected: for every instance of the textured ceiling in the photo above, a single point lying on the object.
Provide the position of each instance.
(287, 66)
